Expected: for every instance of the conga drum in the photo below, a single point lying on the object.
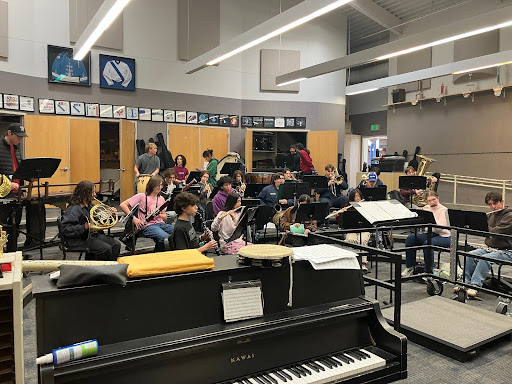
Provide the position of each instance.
(142, 181)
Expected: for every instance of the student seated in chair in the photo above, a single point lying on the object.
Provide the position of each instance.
(156, 228)
(185, 236)
(297, 233)
(76, 226)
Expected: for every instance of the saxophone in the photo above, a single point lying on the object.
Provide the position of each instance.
(424, 163)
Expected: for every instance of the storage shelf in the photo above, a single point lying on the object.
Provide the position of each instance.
(260, 151)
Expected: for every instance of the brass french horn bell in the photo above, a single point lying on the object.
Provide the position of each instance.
(102, 217)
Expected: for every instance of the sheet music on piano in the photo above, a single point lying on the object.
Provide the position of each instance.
(242, 300)
(384, 210)
(326, 256)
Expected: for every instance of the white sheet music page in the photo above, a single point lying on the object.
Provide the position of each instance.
(243, 302)
(383, 210)
(326, 256)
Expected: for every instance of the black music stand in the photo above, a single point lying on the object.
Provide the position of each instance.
(290, 191)
(412, 182)
(250, 202)
(214, 192)
(426, 216)
(375, 193)
(253, 190)
(311, 211)
(352, 219)
(37, 168)
(241, 227)
(316, 181)
(193, 175)
(230, 168)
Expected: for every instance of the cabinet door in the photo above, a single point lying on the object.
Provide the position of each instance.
(324, 148)
(84, 146)
(248, 149)
(184, 141)
(216, 139)
(48, 136)
(127, 146)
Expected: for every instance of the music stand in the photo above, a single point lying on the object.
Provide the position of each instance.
(311, 211)
(316, 181)
(241, 227)
(427, 216)
(351, 219)
(375, 193)
(214, 192)
(250, 202)
(412, 182)
(193, 175)
(229, 168)
(253, 190)
(290, 191)
(37, 168)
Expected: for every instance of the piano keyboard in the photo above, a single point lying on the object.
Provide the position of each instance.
(327, 369)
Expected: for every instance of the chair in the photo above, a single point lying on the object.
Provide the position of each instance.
(209, 211)
(64, 244)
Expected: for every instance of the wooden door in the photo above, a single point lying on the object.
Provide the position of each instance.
(216, 139)
(324, 149)
(183, 140)
(48, 136)
(84, 145)
(248, 149)
(127, 158)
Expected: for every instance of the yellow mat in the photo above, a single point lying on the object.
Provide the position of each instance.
(164, 263)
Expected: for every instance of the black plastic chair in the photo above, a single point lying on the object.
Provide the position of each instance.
(64, 245)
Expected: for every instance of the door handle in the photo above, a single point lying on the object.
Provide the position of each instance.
(65, 169)
(121, 169)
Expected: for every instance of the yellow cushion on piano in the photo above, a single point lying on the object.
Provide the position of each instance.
(163, 263)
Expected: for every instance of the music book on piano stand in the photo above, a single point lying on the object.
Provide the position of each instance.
(384, 210)
(242, 300)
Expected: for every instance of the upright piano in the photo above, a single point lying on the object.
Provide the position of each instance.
(171, 329)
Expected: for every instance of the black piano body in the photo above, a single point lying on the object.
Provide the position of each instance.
(171, 328)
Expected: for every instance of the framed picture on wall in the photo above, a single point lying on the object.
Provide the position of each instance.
(145, 114)
(63, 69)
(77, 108)
(268, 122)
(132, 113)
(257, 122)
(11, 102)
(119, 111)
(92, 110)
(169, 116)
(214, 119)
(106, 111)
(26, 104)
(224, 120)
(289, 122)
(46, 106)
(117, 73)
(181, 116)
(279, 122)
(191, 117)
(233, 121)
(157, 115)
(202, 118)
(300, 122)
(62, 107)
(247, 121)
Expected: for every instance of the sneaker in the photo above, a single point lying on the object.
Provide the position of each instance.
(472, 292)
(407, 272)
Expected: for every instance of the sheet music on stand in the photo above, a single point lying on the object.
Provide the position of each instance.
(326, 256)
(384, 210)
(242, 300)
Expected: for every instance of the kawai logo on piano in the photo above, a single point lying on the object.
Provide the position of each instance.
(242, 358)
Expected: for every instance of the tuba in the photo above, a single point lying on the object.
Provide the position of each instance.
(101, 217)
(424, 163)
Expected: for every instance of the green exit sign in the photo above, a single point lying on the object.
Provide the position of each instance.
(375, 127)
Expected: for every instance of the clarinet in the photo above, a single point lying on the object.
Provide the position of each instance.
(208, 232)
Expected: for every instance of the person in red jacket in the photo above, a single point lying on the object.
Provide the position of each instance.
(306, 163)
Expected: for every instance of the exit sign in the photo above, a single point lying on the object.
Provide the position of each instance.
(375, 127)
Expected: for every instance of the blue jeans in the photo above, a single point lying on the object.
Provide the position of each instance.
(477, 270)
(158, 233)
(421, 239)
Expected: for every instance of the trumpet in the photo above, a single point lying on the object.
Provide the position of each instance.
(102, 216)
(337, 178)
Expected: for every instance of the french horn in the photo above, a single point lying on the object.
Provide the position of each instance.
(102, 217)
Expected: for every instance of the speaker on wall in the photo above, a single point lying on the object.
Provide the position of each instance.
(398, 95)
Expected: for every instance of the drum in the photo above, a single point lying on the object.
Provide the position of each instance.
(142, 181)
(264, 255)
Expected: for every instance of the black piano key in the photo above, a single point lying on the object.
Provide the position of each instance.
(325, 362)
(293, 372)
(260, 381)
(303, 367)
(332, 361)
(285, 374)
(320, 367)
(364, 353)
(301, 370)
(313, 367)
(281, 375)
(270, 378)
(350, 359)
(354, 355)
(265, 380)
(343, 358)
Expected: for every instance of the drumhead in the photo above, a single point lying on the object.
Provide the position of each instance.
(265, 251)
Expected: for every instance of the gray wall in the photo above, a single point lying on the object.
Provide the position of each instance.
(466, 138)
(361, 124)
(319, 116)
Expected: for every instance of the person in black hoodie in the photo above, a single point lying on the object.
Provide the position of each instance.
(75, 226)
(500, 222)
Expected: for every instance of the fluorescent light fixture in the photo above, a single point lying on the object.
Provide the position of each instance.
(105, 16)
(480, 68)
(279, 31)
(292, 81)
(363, 91)
(446, 40)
